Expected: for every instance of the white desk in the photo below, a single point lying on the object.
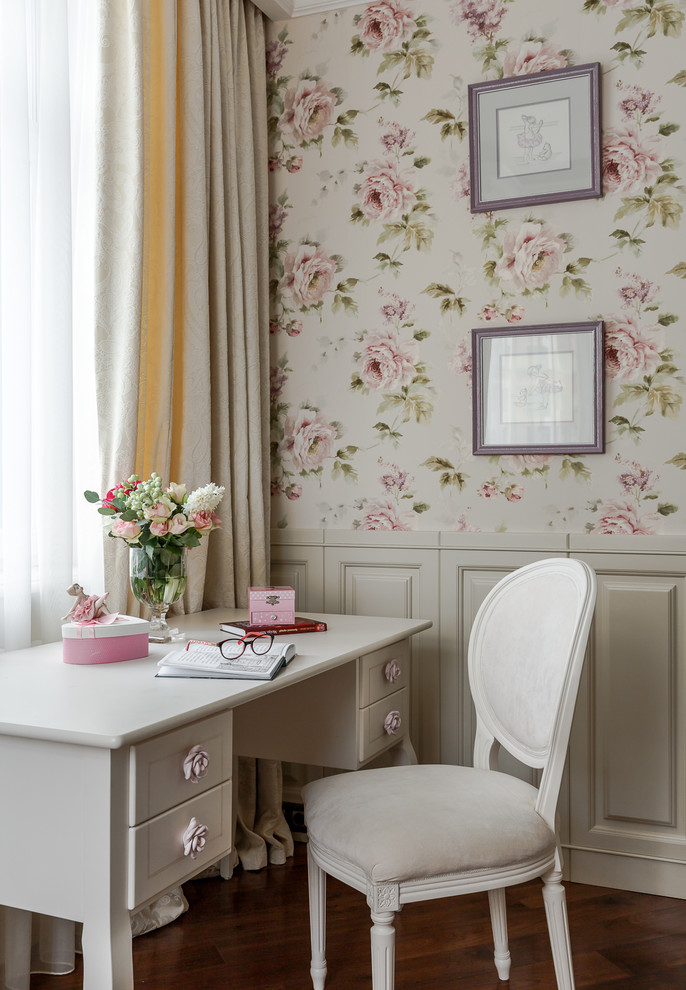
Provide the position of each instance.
(94, 799)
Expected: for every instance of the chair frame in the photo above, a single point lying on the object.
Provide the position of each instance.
(385, 900)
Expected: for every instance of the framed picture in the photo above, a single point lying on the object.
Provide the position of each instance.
(538, 390)
(535, 139)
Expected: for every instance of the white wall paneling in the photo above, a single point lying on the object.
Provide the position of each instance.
(623, 805)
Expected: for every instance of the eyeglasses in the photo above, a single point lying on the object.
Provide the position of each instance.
(259, 643)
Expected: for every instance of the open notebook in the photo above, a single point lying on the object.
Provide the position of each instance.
(199, 659)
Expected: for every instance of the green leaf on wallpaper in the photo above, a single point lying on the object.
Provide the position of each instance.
(345, 453)
(386, 433)
(391, 60)
(630, 204)
(421, 334)
(357, 216)
(387, 92)
(578, 286)
(450, 125)
(575, 469)
(678, 270)
(449, 300)
(679, 78)
(421, 162)
(664, 319)
(489, 268)
(356, 383)
(594, 5)
(282, 523)
(345, 134)
(666, 508)
(385, 261)
(347, 303)
(357, 47)
(347, 470)
(418, 235)
(665, 209)
(664, 398)
(420, 62)
(679, 460)
(420, 507)
(667, 129)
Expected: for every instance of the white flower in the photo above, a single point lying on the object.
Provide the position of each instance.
(204, 499)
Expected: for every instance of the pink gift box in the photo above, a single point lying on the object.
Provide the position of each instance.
(269, 605)
(125, 639)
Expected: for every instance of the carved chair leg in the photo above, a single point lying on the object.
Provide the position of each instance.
(496, 902)
(383, 950)
(316, 880)
(558, 927)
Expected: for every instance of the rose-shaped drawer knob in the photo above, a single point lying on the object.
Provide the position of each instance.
(392, 722)
(392, 671)
(195, 764)
(194, 838)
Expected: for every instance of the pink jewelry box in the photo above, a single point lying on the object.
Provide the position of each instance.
(271, 605)
(125, 639)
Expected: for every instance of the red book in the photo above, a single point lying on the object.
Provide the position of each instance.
(240, 627)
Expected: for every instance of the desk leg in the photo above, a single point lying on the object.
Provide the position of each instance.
(107, 958)
(403, 754)
(228, 863)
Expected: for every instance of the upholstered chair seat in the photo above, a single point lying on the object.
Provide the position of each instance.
(412, 833)
(404, 824)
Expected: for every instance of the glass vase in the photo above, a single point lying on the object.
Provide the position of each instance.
(158, 579)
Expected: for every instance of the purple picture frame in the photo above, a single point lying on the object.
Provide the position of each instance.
(538, 389)
(535, 139)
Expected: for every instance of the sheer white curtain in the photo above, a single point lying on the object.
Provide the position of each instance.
(48, 440)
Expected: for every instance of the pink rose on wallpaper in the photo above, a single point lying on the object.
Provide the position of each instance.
(482, 17)
(514, 314)
(629, 161)
(488, 490)
(630, 353)
(514, 493)
(309, 107)
(387, 363)
(488, 313)
(309, 439)
(387, 191)
(530, 257)
(619, 516)
(533, 56)
(277, 380)
(308, 275)
(275, 53)
(277, 218)
(462, 525)
(384, 25)
(384, 513)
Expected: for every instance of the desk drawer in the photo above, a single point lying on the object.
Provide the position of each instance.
(156, 848)
(157, 780)
(373, 735)
(383, 672)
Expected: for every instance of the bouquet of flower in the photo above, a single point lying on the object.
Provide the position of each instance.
(152, 517)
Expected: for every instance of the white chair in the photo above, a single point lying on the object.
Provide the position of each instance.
(411, 833)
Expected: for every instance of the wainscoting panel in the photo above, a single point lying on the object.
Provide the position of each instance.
(623, 802)
(627, 754)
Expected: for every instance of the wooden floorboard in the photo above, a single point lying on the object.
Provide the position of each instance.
(252, 933)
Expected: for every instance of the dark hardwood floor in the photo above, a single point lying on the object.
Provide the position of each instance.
(252, 933)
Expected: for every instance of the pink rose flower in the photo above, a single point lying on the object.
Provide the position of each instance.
(385, 24)
(488, 490)
(309, 107)
(387, 363)
(160, 510)
(308, 275)
(629, 161)
(273, 164)
(531, 256)
(294, 164)
(462, 525)
(629, 352)
(277, 380)
(385, 514)
(620, 517)
(203, 521)
(274, 326)
(275, 54)
(159, 527)
(514, 493)
(178, 524)
(514, 314)
(127, 530)
(489, 312)
(294, 328)
(533, 56)
(309, 439)
(387, 191)
(293, 492)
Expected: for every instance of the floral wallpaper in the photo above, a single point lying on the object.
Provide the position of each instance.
(379, 271)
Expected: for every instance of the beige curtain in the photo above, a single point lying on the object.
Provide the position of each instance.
(182, 301)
